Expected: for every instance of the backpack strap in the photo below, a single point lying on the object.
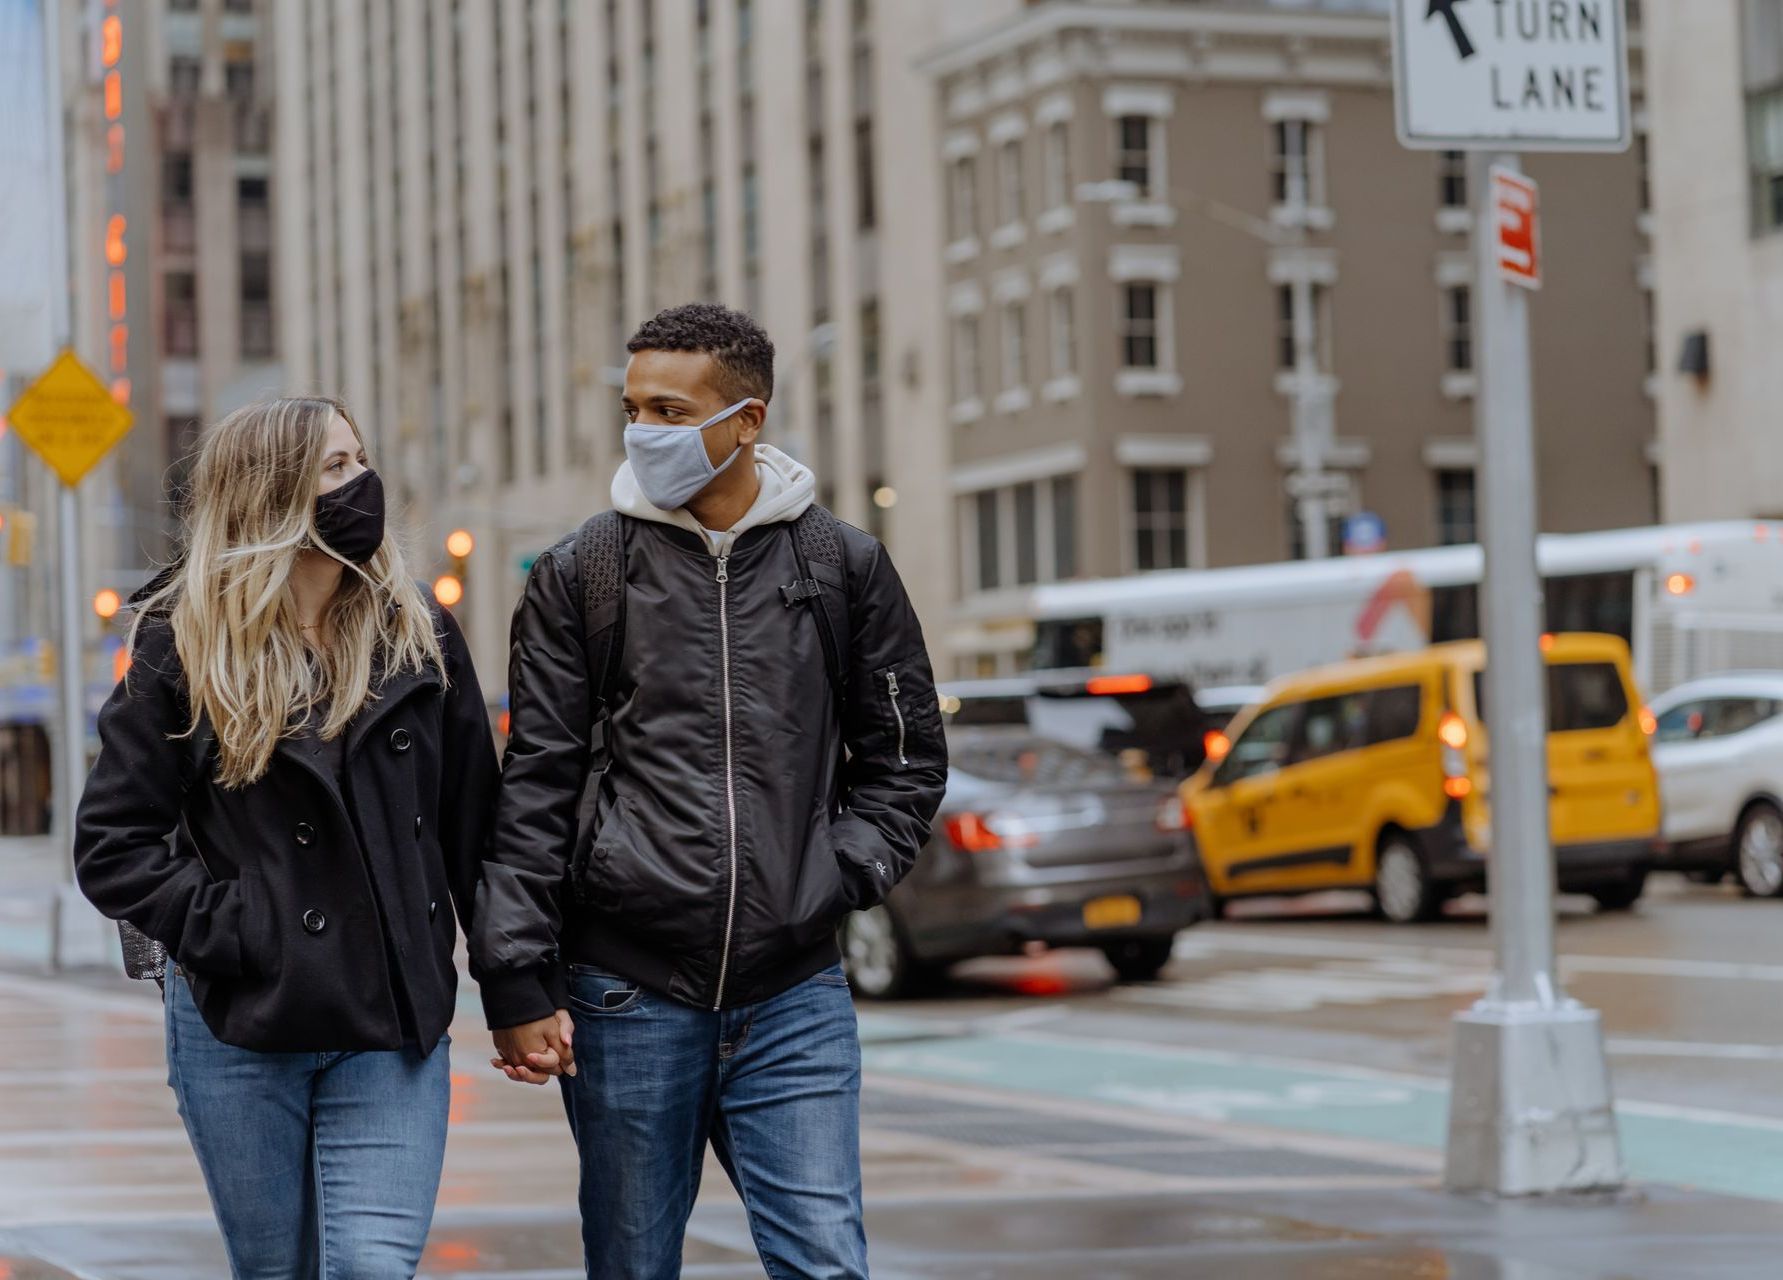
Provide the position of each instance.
(600, 564)
(817, 539)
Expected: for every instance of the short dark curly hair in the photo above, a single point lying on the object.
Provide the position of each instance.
(739, 347)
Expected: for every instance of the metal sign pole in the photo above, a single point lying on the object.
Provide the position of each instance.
(1530, 1107)
(74, 712)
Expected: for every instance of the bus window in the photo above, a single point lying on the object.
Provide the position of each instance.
(1068, 642)
(1591, 602)
(1455, 613)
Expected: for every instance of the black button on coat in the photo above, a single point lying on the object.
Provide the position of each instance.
(275, 898)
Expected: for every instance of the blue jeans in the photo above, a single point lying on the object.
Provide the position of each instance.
(320, 1166)
(774, 1087)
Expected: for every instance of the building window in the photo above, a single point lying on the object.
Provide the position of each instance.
(1455, 523)
(965, 359)
(180, 328)
(963, 199)
(1287, 344)
(1139, 326)
(1057, 165)
(1298, 166)
(184, 75)
(1451, 180)
(865, 192)
(1643, 153)
(1027, 534)
(1457, 329)
(1064, 527)
(1650, 330)
(1160, 519)
(1762, 49)
(1133, 152)
(1015, 346)
(1061, 311)
(256, 306)
(1009, 182)
(989, 540)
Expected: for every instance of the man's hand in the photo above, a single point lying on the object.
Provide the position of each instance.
(533, 1052)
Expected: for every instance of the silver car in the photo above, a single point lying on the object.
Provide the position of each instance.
(1036, 842)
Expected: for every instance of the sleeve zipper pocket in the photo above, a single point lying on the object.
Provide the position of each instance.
(891, 685)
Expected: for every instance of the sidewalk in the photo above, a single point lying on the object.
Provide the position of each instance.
(964, 1179)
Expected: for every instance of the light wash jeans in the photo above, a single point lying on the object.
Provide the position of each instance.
(320, 1166)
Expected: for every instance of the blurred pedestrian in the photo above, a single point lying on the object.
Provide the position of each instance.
(308, 728)
(725, 734)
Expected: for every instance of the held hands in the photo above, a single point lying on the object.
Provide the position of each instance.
(533, 1052)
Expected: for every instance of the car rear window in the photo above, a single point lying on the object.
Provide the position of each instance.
(1035, 762)
(1581, 696)
(1163, 723)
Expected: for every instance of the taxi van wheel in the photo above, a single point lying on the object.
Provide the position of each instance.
(877, 957)
(1621, 895)
(1403, 890)
(1139, 959)
(1758, 848)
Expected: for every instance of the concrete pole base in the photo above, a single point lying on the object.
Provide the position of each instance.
(1530, 1109)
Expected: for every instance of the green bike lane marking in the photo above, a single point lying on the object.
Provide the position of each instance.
(1709, 1150)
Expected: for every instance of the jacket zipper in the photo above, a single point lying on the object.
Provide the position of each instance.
(730, 778)
(891, 683)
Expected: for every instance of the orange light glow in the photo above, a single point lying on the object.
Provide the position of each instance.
(1761, 532)
(1547, 642)
(1680, 584)
(1649, 722)
(1457, 788)
(1217, 745)
(120, 664)
(111, 40)
(504, 723)
(120, 348)
(107, 603)
(118, 308)
(1107, 685)
(114, 149)
(448, 590)
(460, 543)
(120, 390)
(116, 252)
(455, 1251)
(970, 834)
(114, 95)
(1452, 731)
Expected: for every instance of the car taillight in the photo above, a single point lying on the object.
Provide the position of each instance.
(1451, 732)
(971, 834)
(1649, 722)
(1174, 815)
(1217, 745)
(1108, 686)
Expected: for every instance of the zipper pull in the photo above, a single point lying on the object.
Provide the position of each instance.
(724, 573)
(891, 682)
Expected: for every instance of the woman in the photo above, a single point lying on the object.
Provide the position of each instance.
(309, 730)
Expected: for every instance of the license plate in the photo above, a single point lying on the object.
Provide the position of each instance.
(1111, 913)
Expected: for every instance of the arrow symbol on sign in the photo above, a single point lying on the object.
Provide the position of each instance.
(1446, 8)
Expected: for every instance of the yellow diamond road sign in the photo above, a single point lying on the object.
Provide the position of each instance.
(70, 419)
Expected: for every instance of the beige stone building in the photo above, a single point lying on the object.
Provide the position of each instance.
(1715, 75)
(487, 196)
(1174, 227)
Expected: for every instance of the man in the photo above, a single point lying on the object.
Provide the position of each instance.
(765, 757)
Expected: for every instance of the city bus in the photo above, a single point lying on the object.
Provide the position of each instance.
(1689, 599)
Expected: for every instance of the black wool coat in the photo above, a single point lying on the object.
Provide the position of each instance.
(308, 906)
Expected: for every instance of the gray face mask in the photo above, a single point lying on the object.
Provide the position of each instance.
(671, 463)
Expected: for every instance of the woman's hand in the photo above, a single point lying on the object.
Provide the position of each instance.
(534, 1052)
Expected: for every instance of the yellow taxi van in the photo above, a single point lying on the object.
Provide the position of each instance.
(1372, 774)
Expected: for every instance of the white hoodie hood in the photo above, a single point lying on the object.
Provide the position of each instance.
(787, 488)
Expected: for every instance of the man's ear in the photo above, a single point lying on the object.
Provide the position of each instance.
(750, 420)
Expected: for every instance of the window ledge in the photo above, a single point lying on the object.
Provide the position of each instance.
(1643, 223)
(1067, 387)
(1455, 221)
(967, 411)
(1014, 400)
(1287, 383)
(963, 250)
(1054, 221)
(1143, 213)
(1008, 235)
(1460, 384)
(1147, 382)
(1651, 386)
(1306, 216)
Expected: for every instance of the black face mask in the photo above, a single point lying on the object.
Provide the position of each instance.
(350, 519)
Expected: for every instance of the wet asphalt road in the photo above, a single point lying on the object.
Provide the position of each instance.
(1272, 1107)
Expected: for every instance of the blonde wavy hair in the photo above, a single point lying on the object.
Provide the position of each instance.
(235, 625)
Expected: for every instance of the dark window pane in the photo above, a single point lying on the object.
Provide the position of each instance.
(1064, 526)
(989, 553)
(1142, 493)
(1394, 713)
(1027, 534)
(1142, 302)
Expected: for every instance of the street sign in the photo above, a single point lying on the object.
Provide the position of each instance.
(1529, 75)
(1364, 534)
(1515, 210)
(69, 418)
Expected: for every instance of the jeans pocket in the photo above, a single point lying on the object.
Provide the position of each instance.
(831, 977)
(602, 995)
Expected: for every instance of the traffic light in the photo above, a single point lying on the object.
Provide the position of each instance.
(448, 588)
